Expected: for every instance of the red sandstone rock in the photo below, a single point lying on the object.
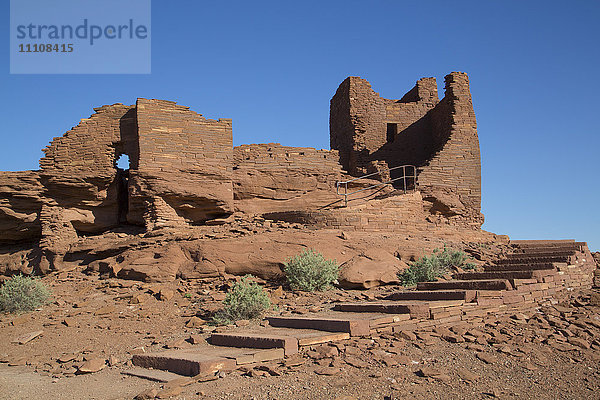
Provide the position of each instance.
(27, 337)
(486, 358)
(93, 365)
(434, 373)
(369, 269)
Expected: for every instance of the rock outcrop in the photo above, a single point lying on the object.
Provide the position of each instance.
(369, 269)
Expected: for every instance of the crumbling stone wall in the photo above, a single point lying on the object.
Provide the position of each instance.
(92, 147)
(440, 137)
(185, 166)
(79, 171)
(180, 173)
(271, 177)
(398, 214)
(81, 181)
(356, 126)
(455, 168)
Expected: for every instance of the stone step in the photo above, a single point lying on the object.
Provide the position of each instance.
(288, 339)
(542, 242)
(424, 295)
(416, 309)
(353, 326)
(541, 254)
(528, 274)
(204, 360)
(550, 245)
(433, 295)
(479, 284)
(521, 267)
(541, 250)
(533, 260)
(407, 310)
(256, 341)
(155, 375)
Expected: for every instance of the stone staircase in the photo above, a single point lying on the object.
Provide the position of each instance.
(533, 272)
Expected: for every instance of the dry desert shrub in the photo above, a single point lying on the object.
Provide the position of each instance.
(245, 300)
(21, 294)
(310, 271)
(439, 263)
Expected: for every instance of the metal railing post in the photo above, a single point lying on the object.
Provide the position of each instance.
(404, 177)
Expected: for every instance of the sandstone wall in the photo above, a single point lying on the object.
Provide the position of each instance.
(399, 214)
(367, 128)
(408, 139)
(271, 177)
(185, 166)
(180, 173)
(79, 171)
(356, 125)
(440, 137)
(80, 179)
(455, 169)
(92, 147)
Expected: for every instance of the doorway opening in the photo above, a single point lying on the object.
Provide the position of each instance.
(392, 131)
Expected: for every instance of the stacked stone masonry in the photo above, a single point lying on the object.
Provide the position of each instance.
(184, 171)
(439, 137)
(553, 284)
(401, 214)
(275, 178)
(184, 167)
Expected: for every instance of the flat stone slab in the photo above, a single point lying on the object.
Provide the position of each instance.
(310, 339)
(544, 266)
(404, 310)
(527, 244)
(27, 337)
(529, 274)
(479, 284)
(545, 254)
(355, 327)
(186, 362)
(542, 250)
(155, 375)
(533, 260)
(256, 340)
(391, 308)
(436, 295)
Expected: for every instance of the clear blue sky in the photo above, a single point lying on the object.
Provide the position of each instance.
(273, 67)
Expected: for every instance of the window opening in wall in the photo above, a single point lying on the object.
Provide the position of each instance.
(123, 162)
(122, 165)
(392, 131)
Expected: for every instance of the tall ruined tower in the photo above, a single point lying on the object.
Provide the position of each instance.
(438, 136)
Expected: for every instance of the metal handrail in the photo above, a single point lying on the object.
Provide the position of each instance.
(403, 177)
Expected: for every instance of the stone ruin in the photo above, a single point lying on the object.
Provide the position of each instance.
(184, 173)
(373, 134)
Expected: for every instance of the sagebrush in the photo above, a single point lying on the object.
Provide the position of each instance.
(310, 271)
(439, 263)
(22, 293)
(246, 300)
